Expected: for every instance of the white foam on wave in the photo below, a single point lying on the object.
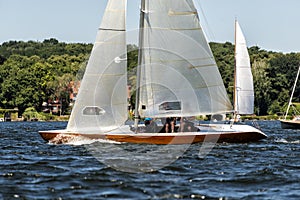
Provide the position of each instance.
(77, 140)
(296, 142)
(281, 140)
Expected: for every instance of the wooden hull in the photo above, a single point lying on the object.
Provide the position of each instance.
(186, 138)
(164, 138)
(290, 124)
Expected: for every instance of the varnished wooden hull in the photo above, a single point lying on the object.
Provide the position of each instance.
(165, 138)
(186, 138)
(290, 124)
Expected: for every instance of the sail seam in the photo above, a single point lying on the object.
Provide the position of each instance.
(208, 86)
(198, 66)
(177, 29)
(179, 60)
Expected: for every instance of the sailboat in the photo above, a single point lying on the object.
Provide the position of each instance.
(177, 76)
(243, 79)
(295, 123)
(243, 95)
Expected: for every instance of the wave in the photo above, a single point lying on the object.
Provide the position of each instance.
(281, 140)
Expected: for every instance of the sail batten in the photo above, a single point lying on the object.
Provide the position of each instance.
(202, 66)
(174, 13)
(177, 29)
(110, 29)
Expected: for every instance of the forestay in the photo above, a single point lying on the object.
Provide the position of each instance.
(244, 93)
(179, 74)
(101, 104)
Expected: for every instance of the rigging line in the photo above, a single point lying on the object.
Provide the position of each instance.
(290, 102)
(296, 112)
(210, 35)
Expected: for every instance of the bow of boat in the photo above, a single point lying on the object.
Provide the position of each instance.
(290, 124)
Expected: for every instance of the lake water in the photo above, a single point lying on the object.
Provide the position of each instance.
(30, 168)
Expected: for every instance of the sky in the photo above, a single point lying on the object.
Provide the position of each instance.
(272, 25)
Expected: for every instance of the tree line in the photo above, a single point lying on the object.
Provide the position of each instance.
(34, 72)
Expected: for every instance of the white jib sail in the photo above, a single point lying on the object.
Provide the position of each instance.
(244, 93)
(179, 74)
(101, 104)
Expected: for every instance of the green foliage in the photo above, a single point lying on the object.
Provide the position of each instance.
(273, 74)
(224, 55)
(32, 114)
(132, 60)
(45, 49)
(34, 72)
(282, 74)
(262, 86)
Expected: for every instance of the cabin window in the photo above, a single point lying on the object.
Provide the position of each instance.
(93, 110)
(170, 106)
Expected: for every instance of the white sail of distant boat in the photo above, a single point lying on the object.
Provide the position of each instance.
(295, 123)
(243, 89)
(292, 95)
(177, 76)
(102, 100)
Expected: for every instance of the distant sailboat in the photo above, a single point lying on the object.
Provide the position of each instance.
(295, 123)
(243, 79)
(177, 76)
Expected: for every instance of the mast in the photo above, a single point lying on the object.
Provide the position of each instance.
(235, 80)
(139, 67)
(290, 102)
(243, 78)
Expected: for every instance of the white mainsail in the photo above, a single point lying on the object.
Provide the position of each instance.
(101, 104)
(179, 76)
(244, 93)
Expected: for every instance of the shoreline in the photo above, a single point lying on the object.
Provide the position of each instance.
(243, 119)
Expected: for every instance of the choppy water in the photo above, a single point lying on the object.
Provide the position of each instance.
(32, 169)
